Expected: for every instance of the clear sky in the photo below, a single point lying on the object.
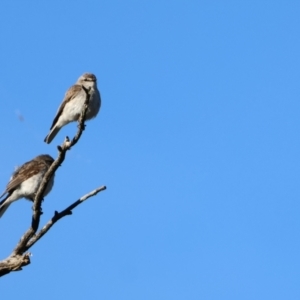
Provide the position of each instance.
(197, 141)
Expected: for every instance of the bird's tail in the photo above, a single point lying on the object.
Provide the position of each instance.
(4, 204)
(54, 131)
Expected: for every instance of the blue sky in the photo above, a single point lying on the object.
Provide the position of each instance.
(197, 141)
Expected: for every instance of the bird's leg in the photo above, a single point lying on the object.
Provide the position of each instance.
(41, 211)
(78, 125)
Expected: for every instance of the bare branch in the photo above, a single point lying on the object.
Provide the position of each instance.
(58, 215)
(14, 263)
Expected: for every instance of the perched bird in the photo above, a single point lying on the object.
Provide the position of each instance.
(71, 107)
(26, 180)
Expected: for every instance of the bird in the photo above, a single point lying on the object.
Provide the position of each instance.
(72, 104)
(26, 180)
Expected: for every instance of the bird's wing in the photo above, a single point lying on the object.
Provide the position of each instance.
(26, 171)
(72, 92)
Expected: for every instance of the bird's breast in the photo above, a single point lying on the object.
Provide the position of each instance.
(94, 105)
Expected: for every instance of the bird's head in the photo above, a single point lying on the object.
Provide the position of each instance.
(88, 80)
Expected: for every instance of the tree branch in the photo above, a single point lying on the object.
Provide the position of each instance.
(58, 215)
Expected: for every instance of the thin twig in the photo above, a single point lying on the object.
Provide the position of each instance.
(58, 215)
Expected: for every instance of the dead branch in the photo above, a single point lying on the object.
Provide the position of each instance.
(58, 215)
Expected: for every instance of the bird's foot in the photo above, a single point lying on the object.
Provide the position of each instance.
(41, 211)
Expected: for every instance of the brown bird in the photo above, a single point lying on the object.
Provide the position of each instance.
(71, 107)
(26, 180)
